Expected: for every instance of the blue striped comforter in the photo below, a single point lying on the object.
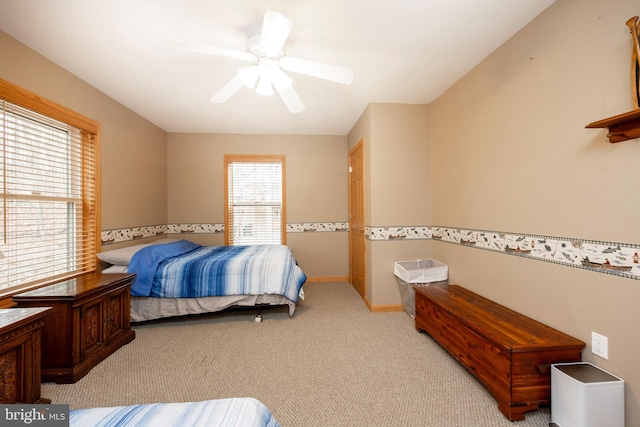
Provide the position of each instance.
(235, 412)
(186, 270)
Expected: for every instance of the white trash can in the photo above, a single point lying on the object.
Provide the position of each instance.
(419, 272)
(583, 395)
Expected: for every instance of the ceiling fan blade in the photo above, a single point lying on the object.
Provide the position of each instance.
(275, 29)
(291, 99)
(333, 73)
(228, 90)
(210, 50)
(279, 79)
(249, 76)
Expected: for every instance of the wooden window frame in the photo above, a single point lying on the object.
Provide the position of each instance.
(254, 158)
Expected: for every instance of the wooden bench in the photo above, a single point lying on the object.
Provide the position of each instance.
(509, 353)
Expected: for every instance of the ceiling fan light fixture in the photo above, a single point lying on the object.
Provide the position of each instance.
(264, 86)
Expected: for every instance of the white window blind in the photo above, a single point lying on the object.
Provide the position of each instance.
(48, 185)
(254, 199)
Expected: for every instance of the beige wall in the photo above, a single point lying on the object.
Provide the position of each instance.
(399, 180)
(133, 156)
(509, 152)
(316, 189)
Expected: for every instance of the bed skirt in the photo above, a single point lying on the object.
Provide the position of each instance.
(148, 308)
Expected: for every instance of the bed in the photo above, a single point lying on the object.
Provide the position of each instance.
(233, 412)
(179, 277)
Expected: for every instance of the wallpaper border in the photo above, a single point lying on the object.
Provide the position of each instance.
(620, 259)
(120, 235)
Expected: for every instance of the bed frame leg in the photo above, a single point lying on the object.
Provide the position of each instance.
(258, 318)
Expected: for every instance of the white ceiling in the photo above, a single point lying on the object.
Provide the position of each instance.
(405, 51)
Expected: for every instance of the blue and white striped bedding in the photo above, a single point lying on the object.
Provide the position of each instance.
(235, 412)
(185, 270)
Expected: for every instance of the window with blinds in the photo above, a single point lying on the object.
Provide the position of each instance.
(254, 200)
(49, 210)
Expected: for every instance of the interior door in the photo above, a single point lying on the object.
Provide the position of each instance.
(356, 219)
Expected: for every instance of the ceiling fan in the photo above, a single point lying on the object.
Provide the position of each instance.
(265, 54)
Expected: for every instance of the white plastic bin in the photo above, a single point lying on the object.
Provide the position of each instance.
(583, 395)
(419, 272)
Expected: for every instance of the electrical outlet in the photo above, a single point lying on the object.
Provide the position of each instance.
(599, 345)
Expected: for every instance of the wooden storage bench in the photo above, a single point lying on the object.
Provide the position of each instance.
(509, 353)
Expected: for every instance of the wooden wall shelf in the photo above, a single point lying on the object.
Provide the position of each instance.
(621, 127)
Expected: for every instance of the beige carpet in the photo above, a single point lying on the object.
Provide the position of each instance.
(333, 363)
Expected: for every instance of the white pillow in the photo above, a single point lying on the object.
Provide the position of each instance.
(123, 256)
(115, 269)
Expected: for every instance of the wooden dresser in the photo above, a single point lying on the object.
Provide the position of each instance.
(90, 319)
(509, 353)
(20, 355)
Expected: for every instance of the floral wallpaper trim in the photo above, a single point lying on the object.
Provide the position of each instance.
(620, 259)
(126, 234)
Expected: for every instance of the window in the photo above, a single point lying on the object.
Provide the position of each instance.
(48, 186)
(254, 200)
